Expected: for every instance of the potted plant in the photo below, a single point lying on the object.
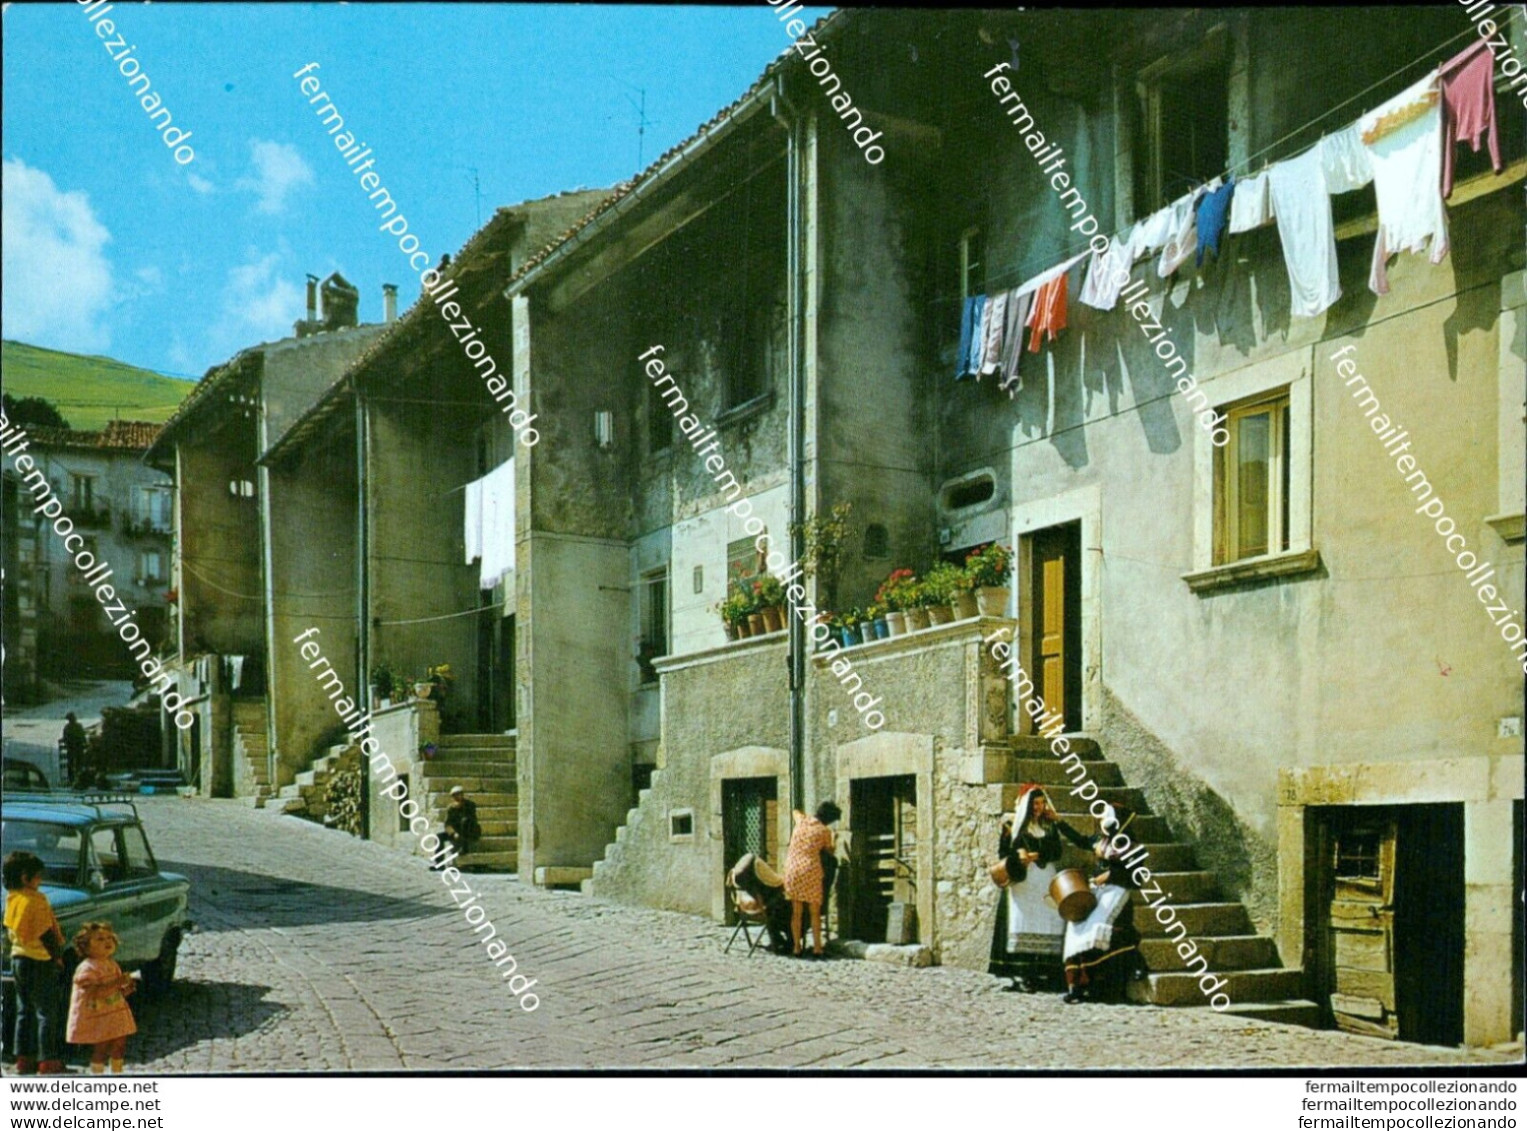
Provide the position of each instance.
(439, 680)
(989, 570)
(916, 597)
(825, 540)
(892, 594)
(755, 609)
(734, 611)
(771, 600)
(875, 614)
(963, 602)
(939, 590)
(382, 681)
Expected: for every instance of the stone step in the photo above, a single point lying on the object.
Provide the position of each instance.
(498, 828)
(506, 812)
(443, 783)
(505, 843)
(495, 801)
(1201, 920)
(1049, 772)
(1067, 804)
(1232, 952)
(282, 805)
(1175, 989)
(311, 778)
(457, 767)
(497, 861)
(1036, 746)
(1184, 887)
(477, 741)
(1292, 1012)
(1166, 856)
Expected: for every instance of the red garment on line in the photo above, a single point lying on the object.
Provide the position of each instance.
(1049, 313)
(1468, 107)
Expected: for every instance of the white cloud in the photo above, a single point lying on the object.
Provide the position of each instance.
(151, 275)
(258, 305)
(200, 184)
(278, 169)
(57, 283)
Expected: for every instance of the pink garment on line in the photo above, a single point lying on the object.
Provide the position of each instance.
(1468, 107)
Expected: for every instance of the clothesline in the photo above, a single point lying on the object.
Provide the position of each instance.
(1006, 278)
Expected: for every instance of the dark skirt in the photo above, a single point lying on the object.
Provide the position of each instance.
(1106, 974)
(1043, 968)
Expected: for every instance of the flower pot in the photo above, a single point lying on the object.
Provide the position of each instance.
(965, 605)
(756, 624)
(848, 637)
(731, 630)
(939, 614)
(991, 600)
(773, 621)
(743, 629)
(867, 632)
(896, 623)
(423, 690)
(917, 619)
(882, 630)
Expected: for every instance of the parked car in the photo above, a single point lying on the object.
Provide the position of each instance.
(17, 776)
(99, 866)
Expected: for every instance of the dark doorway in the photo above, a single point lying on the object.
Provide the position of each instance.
(1056, 644)
(1389, 948)
(495, 670)
(884, 862)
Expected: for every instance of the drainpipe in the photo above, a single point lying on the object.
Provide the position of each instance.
(362, 622)
(790, 120)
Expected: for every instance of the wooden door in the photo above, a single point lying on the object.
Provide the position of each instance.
(1362, 925)
(1057, 621)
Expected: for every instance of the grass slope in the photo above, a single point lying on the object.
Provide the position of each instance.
(89, 391)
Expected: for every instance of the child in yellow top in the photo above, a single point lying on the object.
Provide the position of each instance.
(37, 949)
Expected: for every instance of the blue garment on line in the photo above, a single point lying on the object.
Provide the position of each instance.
(970, 338)
(1213, 212)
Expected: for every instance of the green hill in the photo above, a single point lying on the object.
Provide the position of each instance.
(89, 391)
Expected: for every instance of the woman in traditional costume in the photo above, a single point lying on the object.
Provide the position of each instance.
(1027, 940)
(1102, 952)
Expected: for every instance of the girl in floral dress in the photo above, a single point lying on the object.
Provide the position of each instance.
(99, 1015)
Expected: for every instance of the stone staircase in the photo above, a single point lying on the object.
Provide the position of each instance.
(308, 794)
(484, 766)
(251, 751)
(1257, 984)
(612, 877)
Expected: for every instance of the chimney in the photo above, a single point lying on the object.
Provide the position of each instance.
(389, 302)
(312, 298)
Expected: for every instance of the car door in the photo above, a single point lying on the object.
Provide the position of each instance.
(116, 892)
(159, 901)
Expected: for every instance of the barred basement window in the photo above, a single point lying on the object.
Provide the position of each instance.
(681, 824)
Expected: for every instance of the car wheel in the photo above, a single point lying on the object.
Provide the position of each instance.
(160, 973)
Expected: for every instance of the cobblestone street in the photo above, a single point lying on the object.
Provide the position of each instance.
(315, 952)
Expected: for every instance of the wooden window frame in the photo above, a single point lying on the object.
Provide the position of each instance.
(1227, 536)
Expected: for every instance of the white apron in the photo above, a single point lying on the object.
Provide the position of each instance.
(1033, 924)
(1096, 931)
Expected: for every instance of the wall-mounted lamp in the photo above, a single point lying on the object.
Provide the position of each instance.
(604, 429)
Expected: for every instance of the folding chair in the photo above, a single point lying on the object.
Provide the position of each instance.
(750, 913)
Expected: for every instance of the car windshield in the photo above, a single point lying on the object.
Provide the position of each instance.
(58, 846)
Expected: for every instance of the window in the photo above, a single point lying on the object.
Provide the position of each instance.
(1252, 481)
(972, 263)
(654, 614)
(82, 492)
(743, 561)
(1184, 136)
(877, 542)
(152, 508)
(151, 568)
(106, 862)
(137, 860)
(681, 824)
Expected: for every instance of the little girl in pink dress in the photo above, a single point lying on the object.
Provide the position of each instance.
(98, 1012)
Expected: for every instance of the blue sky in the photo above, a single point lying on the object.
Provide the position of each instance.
(111, 247)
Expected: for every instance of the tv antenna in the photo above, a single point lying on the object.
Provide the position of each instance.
(642, 121)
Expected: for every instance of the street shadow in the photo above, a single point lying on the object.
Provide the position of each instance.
(192, 1013)
(276, 901)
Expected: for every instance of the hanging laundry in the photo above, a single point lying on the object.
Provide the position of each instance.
(1345, 160)
(1182, 240)
(1016, 317)
(497, 525)
(472, 533)
(1213, 211)
(1468, 107)
(1049, 313)
(1404, 142)
(970, 317)
(1251, 207)
(1151, 233)
(1302, 207)
(1108, 273)
(978, 341)
(991, 352)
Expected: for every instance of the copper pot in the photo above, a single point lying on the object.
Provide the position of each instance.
(999, 876)
(1072, 895)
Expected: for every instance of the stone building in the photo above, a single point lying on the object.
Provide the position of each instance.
(1265, 652)
(123, 510)
(18, 551)
(230, 528)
